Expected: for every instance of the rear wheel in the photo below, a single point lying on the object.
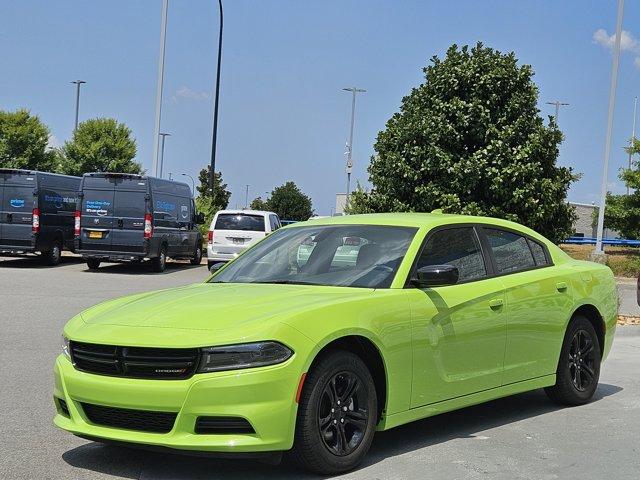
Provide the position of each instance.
(337, 415)
(159, 263)
(93, 263)
(579, 365)
(52, 257)
(197, 254)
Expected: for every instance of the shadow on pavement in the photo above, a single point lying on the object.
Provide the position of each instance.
(34, 261)
(465, 423)
(140, 268)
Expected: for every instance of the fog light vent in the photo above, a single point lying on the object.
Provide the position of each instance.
(223, 425)
(64, 408)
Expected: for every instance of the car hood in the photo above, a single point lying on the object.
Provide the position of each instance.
(216, 306)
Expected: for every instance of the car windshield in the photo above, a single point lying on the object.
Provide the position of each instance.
(345, 255)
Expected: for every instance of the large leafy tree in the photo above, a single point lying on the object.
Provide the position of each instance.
(471, 140)
(622, 212)
(23, 142)
(210, 200)
(100, 145)
(288, 201)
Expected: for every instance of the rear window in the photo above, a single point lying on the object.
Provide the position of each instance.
(98, 202)
(18, 199)
(129, 204)
(234, 221)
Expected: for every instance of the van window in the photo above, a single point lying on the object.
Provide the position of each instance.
(18, 199)
(129, 204)
(273, 220)
(55, 201)
(239, 221)
(164, 206)
(98, 202)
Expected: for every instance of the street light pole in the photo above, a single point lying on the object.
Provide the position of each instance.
(156, 131)
(214, 137)
(246, 197)
(193, 183)
(633, 135)
(558, 104)
(163, 136)
(607, 144)
(354, 91)
(78, 83)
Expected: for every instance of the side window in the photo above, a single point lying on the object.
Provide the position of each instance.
(458, 247)
(510, 251)
(538, 253)
(273, 221)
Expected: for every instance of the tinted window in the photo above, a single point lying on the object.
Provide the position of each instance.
(345, 255)
(273, 220)
(98, 202)
(129, 204)
(538, 253)
(239, 221)
(54, 201)
(510, 251)
(18, 199)
(458, 247)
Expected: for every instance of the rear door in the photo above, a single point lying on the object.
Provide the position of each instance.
(16, 210)
(233, 232)
(130, 201)
(97, 220)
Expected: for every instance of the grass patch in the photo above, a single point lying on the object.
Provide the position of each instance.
(623, 261)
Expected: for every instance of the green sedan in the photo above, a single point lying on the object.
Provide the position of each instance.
(329, 330)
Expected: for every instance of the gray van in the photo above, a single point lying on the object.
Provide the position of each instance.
(36, 213)
(128, 218)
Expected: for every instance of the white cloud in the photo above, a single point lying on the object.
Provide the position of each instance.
(628, 43)
(186, 92)
(53, 142)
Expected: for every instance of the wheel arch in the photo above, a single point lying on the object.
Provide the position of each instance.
(591, 313)
(369, 352)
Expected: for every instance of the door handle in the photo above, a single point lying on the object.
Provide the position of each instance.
(561, 286)
(496, 303)
(120, 223)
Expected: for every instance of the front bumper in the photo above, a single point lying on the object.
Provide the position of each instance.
(263, 396)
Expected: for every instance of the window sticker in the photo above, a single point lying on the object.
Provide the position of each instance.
(165, 206)
(184, 211)
(58, 200)
(99, 207)
(17, 202)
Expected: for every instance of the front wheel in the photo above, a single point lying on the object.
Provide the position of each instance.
(197, 254)
(579, 365)
(52, 257)
(159, 263)
(337, 415)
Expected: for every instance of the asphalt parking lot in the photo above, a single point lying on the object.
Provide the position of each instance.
(522, 437)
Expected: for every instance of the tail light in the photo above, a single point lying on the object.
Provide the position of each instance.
(148, 225)
(76, 224)
(210, 238)
(35, 220)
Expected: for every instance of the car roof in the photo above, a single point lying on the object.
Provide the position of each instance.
(411, 219)
(245, 212)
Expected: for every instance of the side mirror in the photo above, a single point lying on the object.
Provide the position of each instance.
(198, 218)
(436, 276)
(216, 266)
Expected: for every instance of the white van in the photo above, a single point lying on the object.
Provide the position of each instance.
(232, 231)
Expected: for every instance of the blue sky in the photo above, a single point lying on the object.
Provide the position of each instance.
(283, 115)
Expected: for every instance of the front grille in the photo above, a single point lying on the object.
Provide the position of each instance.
(135, 362)
(223, 425)
(142, 420)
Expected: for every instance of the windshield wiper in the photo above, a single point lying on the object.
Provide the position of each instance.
(288, 282)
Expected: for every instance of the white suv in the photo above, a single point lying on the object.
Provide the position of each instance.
(232, 231)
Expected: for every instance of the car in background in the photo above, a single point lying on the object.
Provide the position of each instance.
(232, 231)
(129, 218)
(386, 319)
(36, 213)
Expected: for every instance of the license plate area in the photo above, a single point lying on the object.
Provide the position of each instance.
(238, 241)
(96, 235)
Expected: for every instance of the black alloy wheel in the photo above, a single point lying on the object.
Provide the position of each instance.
(582, 360)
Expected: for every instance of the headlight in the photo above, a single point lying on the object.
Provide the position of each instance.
(246, 355)
(65, 347)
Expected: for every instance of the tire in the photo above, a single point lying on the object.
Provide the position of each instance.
(332, 436)
(93, 263)
(197, 254)
(159, 263)
(53, 256)
(579, 365)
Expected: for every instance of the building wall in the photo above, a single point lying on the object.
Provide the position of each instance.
(584, 225)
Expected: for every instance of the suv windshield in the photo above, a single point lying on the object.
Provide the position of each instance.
(238, 221)
(345, 255)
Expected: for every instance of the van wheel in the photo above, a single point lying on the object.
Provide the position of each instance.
(337, 415)
(159, 263)
(197, 255)
(53, 256)
(93, 263)
(579, 365)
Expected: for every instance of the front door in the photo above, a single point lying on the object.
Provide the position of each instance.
(458, 331)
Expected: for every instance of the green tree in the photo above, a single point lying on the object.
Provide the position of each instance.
(210, 200)
(471, 140)
(289, 203)
(622, 212)
(100, 145)
(259, 204)
(23, 142)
